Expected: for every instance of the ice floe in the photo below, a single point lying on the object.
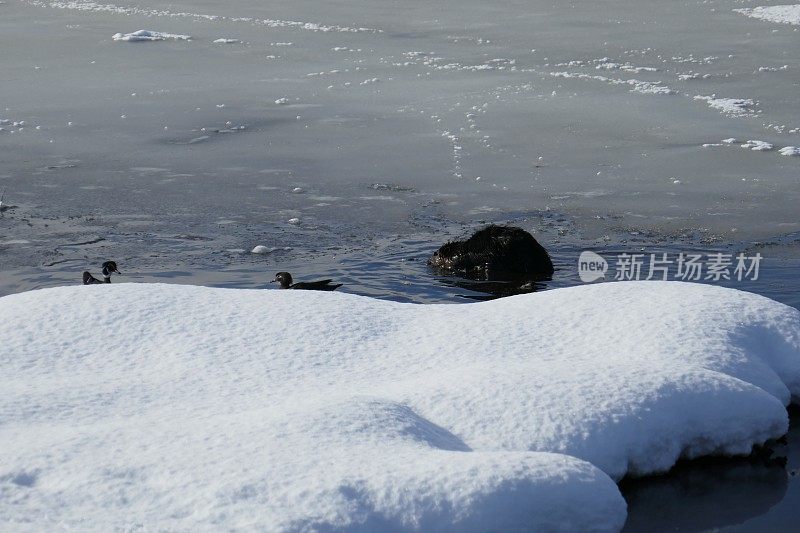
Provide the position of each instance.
(758, 146)
(790, 150)
(220, 409)
(148, 35)
(786, 14)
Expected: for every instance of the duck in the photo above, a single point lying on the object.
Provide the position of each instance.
(109, 267)
(285, 279)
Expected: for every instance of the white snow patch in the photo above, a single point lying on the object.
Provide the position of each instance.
(693, 76)
(790, 150)
(639, 86)
(736, 107)
(786, 14)
(296, 410)
(773, 69)
(144, 12)
(625, 67)
(757, 146)
(147, 35)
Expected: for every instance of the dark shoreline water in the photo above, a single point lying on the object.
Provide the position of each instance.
(45, 251)
(740, 494)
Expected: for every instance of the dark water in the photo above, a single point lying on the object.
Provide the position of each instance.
(739, 494)
(39, 252)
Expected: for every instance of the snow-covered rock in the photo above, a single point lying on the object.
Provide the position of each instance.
(174, 407)
(261, 249)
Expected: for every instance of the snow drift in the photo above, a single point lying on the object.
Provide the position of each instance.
(176, 407)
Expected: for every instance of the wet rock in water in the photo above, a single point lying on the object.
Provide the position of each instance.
(504, 254)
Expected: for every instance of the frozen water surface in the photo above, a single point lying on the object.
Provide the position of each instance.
(585, 110)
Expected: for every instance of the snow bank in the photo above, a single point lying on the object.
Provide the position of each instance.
(147, 35)
(175, 407)
(788, 14)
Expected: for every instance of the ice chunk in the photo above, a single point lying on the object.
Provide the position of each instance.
(147, 35)
(790, 150)
(758, 146)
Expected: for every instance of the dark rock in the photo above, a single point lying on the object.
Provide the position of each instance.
(495, 253)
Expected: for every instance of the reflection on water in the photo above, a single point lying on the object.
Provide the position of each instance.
(739, 494)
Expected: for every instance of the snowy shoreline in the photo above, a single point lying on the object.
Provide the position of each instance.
(182, 407)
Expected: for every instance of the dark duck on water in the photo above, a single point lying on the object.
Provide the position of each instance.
(109, 267)
(285, 279)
